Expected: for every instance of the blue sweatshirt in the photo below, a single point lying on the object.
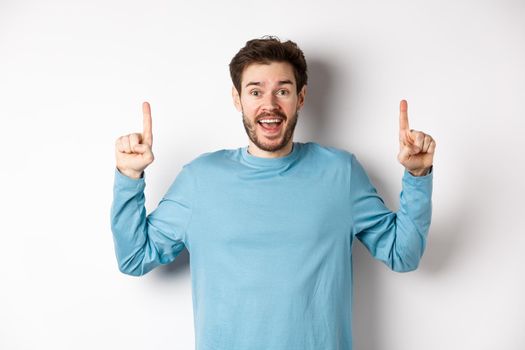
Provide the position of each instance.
(270, 242)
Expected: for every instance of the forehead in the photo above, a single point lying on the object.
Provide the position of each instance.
(268, 73)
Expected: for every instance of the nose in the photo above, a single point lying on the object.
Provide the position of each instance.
(269, 102)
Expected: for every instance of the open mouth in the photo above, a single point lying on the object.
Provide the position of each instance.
(271, 124)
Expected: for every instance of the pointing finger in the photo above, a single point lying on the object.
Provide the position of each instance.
(405, 136)
(147, 133)
(403, 116)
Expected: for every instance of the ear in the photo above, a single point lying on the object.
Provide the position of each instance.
(236, 99)
(300, 97)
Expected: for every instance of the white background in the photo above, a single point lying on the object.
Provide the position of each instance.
(73, 76)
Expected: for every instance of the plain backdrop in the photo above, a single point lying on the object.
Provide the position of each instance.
(73, 76)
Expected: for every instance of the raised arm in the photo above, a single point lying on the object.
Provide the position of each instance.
(397, 238)
(142, 241)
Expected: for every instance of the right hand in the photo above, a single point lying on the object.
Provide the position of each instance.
(133, 151)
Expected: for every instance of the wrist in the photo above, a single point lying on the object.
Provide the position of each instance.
(420, 172)
(131, 173)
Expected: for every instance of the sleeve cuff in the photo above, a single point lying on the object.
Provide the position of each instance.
(122, 180)
(407, 176)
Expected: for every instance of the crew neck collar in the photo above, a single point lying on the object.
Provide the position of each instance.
(271, 162)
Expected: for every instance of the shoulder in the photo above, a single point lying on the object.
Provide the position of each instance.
(209, 160)
(328, 153)
(338, 160)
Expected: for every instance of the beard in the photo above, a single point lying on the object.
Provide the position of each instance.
(251, 131)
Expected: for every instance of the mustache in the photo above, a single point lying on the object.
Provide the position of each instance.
(271, 114)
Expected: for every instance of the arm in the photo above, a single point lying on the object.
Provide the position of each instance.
(143, 242)
(396, 238)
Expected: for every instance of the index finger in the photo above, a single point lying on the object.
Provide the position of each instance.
(147, 135)
(403, 116)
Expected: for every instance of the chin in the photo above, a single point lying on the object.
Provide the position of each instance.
(273, 145)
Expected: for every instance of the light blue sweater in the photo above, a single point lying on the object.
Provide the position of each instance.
(270, 242)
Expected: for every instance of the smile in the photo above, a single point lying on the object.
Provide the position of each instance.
(270, 125)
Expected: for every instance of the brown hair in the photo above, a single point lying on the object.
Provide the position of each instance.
(264, 51)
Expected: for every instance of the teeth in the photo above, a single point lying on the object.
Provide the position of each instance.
(269, 120)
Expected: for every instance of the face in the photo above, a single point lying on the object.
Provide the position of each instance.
(269, 103)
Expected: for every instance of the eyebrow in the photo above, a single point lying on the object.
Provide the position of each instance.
(258, 83)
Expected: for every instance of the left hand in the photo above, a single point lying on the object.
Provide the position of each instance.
(416, 149)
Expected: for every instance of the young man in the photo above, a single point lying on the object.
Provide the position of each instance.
(269, 227)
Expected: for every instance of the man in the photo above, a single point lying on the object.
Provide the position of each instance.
(269, 227)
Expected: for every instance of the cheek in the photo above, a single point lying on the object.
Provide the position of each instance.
(291, 108)
(249, 108)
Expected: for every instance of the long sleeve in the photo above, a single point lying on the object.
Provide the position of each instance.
(396, 238)
(143, 242)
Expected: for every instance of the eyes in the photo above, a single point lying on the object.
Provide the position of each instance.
(281, 92)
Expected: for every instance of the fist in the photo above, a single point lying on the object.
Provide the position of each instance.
(133, 151)
(416, 149)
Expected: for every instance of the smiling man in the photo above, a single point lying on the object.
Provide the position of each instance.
(270, 226)
(269, 102)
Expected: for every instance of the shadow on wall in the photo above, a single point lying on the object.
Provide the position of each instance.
(448, 236)
(315, 118)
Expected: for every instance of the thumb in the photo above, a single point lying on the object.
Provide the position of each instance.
(412, 149)
(141, 148)
(407, 151)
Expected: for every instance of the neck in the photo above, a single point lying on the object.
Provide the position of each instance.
(256, 151)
